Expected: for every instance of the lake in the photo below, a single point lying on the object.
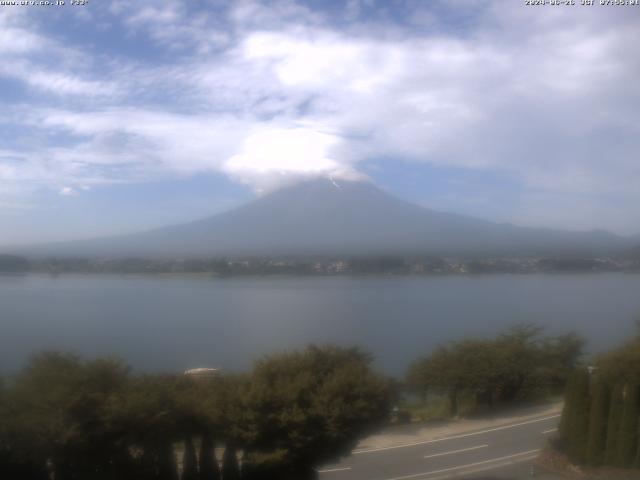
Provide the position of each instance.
(177, 322)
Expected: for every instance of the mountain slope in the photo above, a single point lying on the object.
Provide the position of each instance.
(324, 217)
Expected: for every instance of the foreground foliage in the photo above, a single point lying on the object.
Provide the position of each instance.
(601, 418)
(520, 364)
(65, 418)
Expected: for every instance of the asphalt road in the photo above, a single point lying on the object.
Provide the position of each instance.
(502, 452)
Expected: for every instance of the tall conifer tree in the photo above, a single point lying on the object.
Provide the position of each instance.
(563, 428)
(613, 424)
(628, 433)
(600, 398)
(578, 421)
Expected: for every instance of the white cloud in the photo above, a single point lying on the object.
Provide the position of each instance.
(43, 62)
(68, 191)
(271, 156)
(15, 34)
(170, 25)
(543, 95)
(58, 83)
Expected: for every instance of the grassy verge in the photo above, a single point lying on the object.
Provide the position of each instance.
(437, 407)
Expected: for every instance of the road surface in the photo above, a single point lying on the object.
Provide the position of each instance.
(500, 452)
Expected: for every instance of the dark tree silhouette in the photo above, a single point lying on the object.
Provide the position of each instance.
(577, 423)
(230, 467)
(598, 422)
(167, 468)
(613, 423)
(189, 461)
(209, 469)
(628, 433)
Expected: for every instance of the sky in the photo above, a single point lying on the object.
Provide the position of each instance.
(120, 116)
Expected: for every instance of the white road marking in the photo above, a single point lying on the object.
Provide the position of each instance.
(456, 451)
(454, 437)
(468, 465)
(495, 466)
(329, 470)
(551, 430)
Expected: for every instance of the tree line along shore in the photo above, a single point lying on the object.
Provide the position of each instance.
(239, 266)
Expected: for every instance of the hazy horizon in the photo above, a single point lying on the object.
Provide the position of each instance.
(334, 217)
(248, 202)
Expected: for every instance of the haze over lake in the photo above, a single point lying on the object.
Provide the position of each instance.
(177, 322)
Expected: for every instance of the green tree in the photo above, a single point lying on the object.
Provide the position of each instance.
(563, 427)
(628, 433)
(519, 364)
(622, 364)
(558, 358)
(153, 418)
(462, 367)
(313, 405)
(613, 423)
(433, 374)
(15, 463)
(58, 413)
(598, 421)
(93, 420)
(576, 428)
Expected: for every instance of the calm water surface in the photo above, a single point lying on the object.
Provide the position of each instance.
(158, 323)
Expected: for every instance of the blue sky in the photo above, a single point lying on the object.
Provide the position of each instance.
(120, 116)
